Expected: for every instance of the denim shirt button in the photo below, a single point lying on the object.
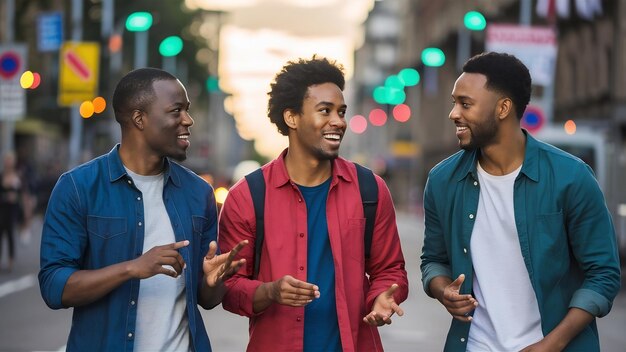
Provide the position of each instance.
(130, 335)
(464, 250)
(475, 183)
(139, 223)
(462, 339)
(138, 198)
(471, 216)
(132, 303)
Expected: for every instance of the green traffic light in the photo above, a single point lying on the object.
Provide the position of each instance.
(171, 46)
(433, 57)
(139, 21)
(409, 76)
(474, 21)
(212, 84)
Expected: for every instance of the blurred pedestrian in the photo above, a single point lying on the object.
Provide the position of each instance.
(519, 245)
(10, 196)
(128, 238)
(315, 289)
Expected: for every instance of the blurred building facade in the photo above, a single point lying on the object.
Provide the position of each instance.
(589, 84)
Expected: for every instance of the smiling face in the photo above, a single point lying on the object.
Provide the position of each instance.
(319, 129)
(167, 121)
(474, 112)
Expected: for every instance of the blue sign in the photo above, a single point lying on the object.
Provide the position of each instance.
(49, 31)
(533, 118)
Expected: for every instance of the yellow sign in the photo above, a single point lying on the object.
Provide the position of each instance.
(78, 72)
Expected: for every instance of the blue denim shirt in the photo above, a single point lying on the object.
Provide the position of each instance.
(565, 231)
(94, 219)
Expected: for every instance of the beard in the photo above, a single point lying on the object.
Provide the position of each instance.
(481, 135)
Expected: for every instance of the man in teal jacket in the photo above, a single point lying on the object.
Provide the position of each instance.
(519, 245)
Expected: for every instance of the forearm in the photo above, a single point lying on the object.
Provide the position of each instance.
(211, 296)
(574, 322)
(262, 297)
(87, 286)
(437, 286)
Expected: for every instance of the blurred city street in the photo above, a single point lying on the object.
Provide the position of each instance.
(28, 325)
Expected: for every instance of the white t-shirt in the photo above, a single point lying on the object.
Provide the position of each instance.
(162, 323)
(507, 317)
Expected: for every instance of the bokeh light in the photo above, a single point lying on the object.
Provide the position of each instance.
(115, 43)
(86, 109)
(378, 117)
(358, 124)
(220, 195)
(409, 76)
(26, 80)
(402, 113)
(570, 127)
(36, 80)
(99, 104)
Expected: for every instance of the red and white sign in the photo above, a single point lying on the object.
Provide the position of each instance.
(535, 46)
(78, 72)
(12, 96)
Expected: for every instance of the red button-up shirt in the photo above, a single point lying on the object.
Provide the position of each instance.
(284, 252)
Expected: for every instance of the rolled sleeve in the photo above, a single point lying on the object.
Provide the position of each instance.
(591, 301)
(432, 270)
(63, 240)
(52, 285)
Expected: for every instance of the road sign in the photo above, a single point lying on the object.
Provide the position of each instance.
(535, 46)
(12, 96)
(533, 118)
(49, 31)
(78, 74)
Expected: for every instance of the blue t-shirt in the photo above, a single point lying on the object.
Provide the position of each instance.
(321, 330)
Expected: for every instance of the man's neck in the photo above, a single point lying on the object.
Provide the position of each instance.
(306, 170)
(504, 157)
(140, 163)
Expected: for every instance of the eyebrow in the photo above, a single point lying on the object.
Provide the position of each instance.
(329, 103)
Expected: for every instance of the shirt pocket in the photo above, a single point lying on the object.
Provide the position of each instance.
(354, 239)
(200, 225)
(105, 227)
(553, 239)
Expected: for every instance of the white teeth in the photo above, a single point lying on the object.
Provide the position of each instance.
(332, 136)
(183, 137)
(459, 128)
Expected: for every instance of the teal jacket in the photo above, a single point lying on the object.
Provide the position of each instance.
(565, 231)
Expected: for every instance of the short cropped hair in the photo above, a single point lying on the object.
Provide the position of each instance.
(291, 84)
(505, 74)
(135, 91)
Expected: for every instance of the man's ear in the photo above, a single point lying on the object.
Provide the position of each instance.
(290, 118)
(137, 118)
(504, 108)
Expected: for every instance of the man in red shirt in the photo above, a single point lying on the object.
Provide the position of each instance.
(315, 289)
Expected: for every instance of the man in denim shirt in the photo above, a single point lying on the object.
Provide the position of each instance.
(128, 238)
(519, 245)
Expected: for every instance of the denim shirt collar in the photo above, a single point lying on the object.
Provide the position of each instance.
(530, 168)
(117, 170)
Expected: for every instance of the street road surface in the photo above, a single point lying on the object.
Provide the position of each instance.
(27, 324)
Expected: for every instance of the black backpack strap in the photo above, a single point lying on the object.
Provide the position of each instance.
(256, 182)
(369, 197)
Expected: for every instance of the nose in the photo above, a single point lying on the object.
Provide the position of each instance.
(187, 120)
(454, 113)
(338, 121)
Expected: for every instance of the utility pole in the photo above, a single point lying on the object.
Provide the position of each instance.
(8, 126)
(76, 122)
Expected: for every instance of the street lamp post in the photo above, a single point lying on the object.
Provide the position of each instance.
(140, 22)
(472, 21)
